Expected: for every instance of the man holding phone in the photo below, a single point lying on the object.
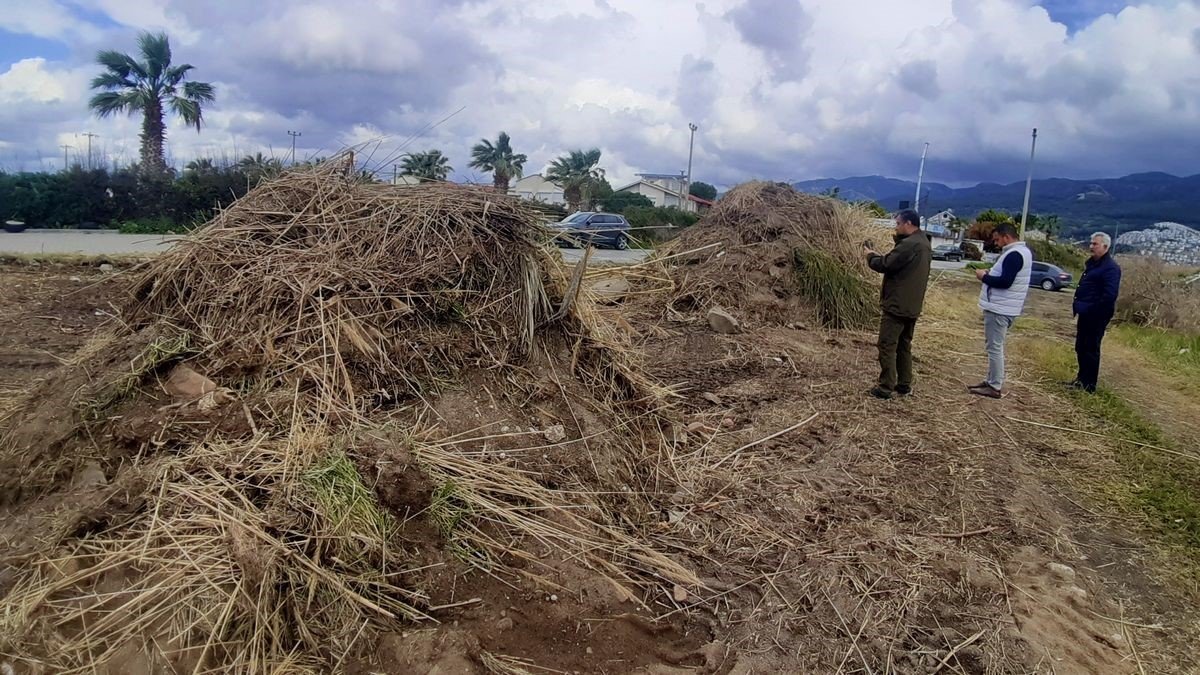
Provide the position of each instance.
(905, 272)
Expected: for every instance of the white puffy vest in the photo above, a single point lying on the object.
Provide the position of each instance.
(1008, 301)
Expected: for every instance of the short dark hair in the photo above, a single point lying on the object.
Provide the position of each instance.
(909, 216)
(1006, 230)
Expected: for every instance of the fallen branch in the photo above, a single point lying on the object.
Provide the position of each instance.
(954, 651)
(760, 441)
(957, 535)
(1130, 441)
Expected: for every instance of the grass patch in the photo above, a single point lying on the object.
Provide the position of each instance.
(842, 297)
(159, 352)
(1178, 353)
(1032, 324)
(1163, 488)
(73, 259)
(346, 502)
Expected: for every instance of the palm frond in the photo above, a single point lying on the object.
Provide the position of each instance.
(156, 49)
(120, 64)
(112, 80)
(200, 92)
(109, 103)
(187, 109)
(177, 74)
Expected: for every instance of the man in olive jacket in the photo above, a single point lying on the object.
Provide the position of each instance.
(905, 272)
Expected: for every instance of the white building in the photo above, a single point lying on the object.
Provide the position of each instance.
(537, 188)
(664, 189)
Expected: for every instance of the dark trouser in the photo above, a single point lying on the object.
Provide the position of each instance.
(895, 351)
(1088, 334)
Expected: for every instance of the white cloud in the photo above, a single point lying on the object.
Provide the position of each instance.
(861, 87)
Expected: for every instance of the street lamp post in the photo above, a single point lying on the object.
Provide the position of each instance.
(1028, 185)
(920, 177)
(294, 134)
(691, 144)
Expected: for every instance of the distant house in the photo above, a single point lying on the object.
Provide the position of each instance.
(665, 189)
(941, 218)
(537, 188)
(405, 181)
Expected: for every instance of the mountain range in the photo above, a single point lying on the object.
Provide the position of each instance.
(1124, 204)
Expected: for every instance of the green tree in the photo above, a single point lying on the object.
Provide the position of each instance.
(618, 202)
(703, 190)
(577, 174)
(202, 166)
(993, 216)
(498, 158)
(834, 192)
(873, 209)
(149, 87)
(259, 166)
(428, 165)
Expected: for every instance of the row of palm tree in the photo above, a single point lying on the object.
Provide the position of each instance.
(151, 86)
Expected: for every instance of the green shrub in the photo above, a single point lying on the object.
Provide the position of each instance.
(152, 226)
(971, 251)
(1063, 255)
(843, 298)
(657, 224)
(619, 202)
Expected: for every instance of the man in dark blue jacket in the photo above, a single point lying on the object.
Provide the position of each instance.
(1095, 303)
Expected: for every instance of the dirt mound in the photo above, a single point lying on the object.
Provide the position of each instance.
(772, 253)
(313, 418)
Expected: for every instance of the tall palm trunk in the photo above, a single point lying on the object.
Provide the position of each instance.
(500, 182)
(153, 134)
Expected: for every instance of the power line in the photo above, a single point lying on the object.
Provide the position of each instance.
(294, 134)
(90, 136)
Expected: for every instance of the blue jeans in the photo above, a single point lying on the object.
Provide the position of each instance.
(995, 329)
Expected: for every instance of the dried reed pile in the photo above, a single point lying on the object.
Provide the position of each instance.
(774, 252)
(361, 292)
(265, 550)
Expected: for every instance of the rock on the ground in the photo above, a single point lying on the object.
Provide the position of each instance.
(610, 290)
(186, 383)
(106, 267)
(505, 623)
(555, 433)
(1064, 573)
(90, 475)
(722, 321)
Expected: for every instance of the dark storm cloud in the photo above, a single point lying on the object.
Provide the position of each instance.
(697, 81)
(921, 78)
(779, 29)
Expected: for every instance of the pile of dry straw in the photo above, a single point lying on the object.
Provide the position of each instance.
(328, 311)
(779, 255)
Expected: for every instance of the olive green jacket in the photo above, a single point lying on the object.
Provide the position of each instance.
(905, 272)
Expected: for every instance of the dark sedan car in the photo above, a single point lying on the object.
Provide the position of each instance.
(948, 252)
(597, 229)
(1049, 277)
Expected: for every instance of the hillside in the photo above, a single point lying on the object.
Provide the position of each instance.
(1132, 202)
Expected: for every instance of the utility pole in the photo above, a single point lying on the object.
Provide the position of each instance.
(293, 134)
(90, 136)
(395, 173)
(65, 148)
(687, 189)
(1028, 185)
(920, 177)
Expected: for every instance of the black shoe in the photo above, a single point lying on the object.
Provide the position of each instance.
(1073, 384)
(903, 390)
(880, 392)
(986, 391)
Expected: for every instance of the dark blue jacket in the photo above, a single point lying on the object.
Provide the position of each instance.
(1096, 295)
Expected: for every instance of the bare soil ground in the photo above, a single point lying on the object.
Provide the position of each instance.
(833, 532)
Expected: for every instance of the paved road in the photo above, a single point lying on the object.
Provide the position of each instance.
(107, 242)
(86, 242)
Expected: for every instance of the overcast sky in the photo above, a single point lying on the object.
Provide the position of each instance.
(781, 89)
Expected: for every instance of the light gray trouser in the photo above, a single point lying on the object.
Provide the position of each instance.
(995, 329)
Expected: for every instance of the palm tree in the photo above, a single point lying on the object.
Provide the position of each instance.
(428, 165)
(499, 159)
(201, 166)
(577, 174)
(259, 165)
(149, 86)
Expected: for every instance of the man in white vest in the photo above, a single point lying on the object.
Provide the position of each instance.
(1002, 298)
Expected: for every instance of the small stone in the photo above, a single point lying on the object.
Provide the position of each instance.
(695, 426)
(505, 623)
(1077, 594)
(675, 516)
(553, 598)
(722, 321)
(76, 279)
(106, 267)
(1063, 573)
(711, 398)
(555, 433)
(504, 430)
(679, 593)
(90, 475)
(610, 291)
(589, 651)
(727, 422)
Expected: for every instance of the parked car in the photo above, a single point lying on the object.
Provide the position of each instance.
(1049, 277)
(948, 252)
(597, 229)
